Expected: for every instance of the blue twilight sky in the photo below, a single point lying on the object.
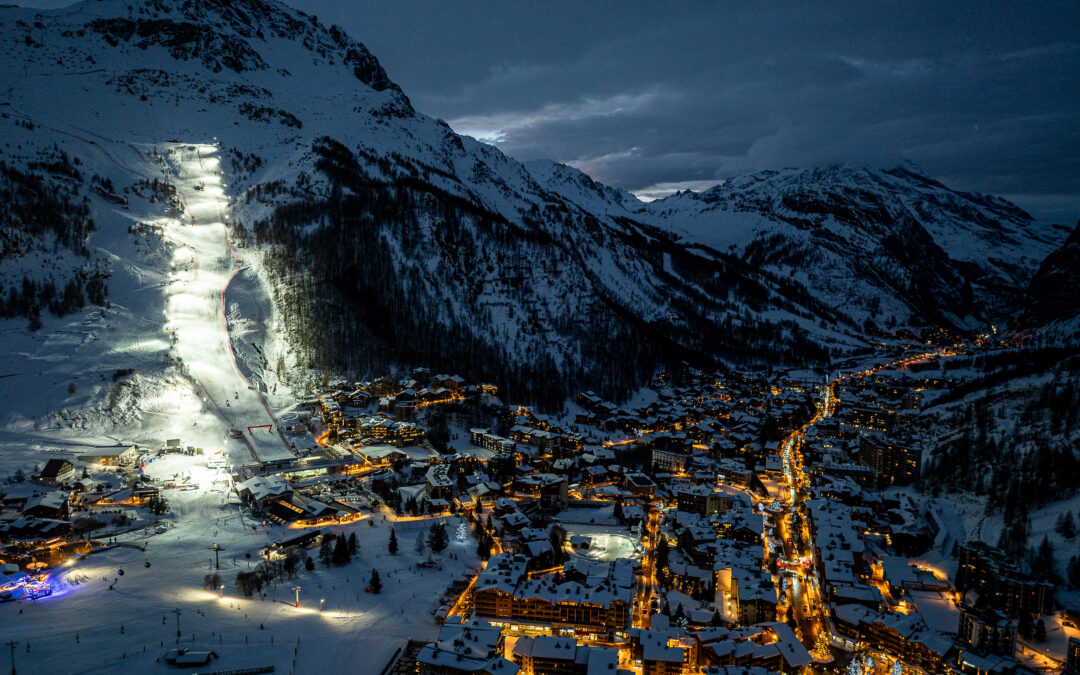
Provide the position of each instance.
(652, 97)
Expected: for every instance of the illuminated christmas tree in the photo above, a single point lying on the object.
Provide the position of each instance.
(821, 645)
(462, 532)
(860, 664)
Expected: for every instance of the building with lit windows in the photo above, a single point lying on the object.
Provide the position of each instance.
(703, 500)
(465, 648)
(902, 636)
(985, 570)
(988, 631)
(548, 655)
(1072, 657)
(662, 653)
(483, 438)
(872, 418)
(674, 459)
(438, 483)
(893, 462)
(505, 594)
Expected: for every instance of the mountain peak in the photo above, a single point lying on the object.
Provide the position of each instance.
(224, 35)
(906, 177)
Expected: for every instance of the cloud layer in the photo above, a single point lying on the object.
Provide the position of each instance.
(653, 97)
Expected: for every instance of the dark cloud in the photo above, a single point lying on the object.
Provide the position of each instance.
(652, 97)
(656, 96)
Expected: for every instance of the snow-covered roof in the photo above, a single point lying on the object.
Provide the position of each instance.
(262, 487)
(793, 651)
(53, 500)
(377, 452)
(438, 475)
(99, 453)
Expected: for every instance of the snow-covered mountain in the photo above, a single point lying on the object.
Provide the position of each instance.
(385, 238)
(890, 246)
(1053, 296)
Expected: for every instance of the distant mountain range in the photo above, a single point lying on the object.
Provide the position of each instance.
(387, 239)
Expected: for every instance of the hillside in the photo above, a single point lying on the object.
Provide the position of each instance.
(389, 238)
(890, 247)
(1053, 296)
(384, 239)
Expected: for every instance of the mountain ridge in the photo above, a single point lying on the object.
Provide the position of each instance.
(392, 240)
(778, 217)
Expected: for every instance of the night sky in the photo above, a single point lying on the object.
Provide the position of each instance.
(654, 97)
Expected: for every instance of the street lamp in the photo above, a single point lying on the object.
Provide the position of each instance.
(221, 592)
(296, 589)
(321, 601)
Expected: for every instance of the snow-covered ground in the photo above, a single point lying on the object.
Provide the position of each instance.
(605, 544)
(204, 263)
(87, 628)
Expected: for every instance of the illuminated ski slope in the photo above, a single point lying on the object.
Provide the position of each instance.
(203, 265)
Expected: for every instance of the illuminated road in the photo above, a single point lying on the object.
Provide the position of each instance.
(807, 603)
(647, 589)
(204, 263)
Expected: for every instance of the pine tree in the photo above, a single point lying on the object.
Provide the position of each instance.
(438, 539)
(1066, 525)
(421, 544)
(341, 555)
(392, 546)
(157, 505)
(679, 617)
(326, 551)
(375, 583)
(462, 532)
(557, 538)
(1042, 563)
(821, 645)
(1074, 571)
(1040, 630)
(483, 547)
(291, 562)
(662, 553)
(354, 546)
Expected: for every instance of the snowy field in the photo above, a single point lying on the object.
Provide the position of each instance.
(87, 628)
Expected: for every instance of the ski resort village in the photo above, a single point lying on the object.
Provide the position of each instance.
(295, 378)
(717, 523)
